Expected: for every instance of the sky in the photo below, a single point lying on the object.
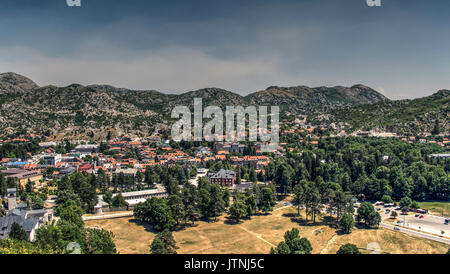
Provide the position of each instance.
(401, 49)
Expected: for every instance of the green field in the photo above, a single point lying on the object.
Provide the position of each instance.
(437, 208)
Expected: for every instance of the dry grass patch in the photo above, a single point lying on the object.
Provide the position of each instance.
(259, 234)
(389, 241)
(130, 238)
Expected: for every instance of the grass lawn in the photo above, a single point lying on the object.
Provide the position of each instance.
(437, 208)
(259, 234)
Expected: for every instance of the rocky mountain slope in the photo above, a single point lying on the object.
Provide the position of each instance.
(13, 83)
(93, 112)
(422, 115)
(308, 100)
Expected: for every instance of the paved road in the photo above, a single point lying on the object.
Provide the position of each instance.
(429, 223)
(416, 233)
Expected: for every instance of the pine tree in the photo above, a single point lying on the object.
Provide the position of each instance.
(436, 129)
(17, 232)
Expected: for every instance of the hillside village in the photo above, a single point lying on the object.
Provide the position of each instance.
(126, 166)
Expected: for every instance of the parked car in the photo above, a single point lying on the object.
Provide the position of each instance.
(421, 216)
(417, 215)
(387, 211)
(396, 228)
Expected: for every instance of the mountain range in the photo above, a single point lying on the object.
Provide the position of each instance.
(95, 111)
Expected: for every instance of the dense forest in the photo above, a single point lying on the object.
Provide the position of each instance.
(21, 150)
(369, 168)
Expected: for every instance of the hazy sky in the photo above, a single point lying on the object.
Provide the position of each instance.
(401, 49)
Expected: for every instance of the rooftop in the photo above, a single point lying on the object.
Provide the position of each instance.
(142, 192)
(227, 174)
(16, 216)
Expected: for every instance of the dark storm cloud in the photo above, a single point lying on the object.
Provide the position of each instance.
(400, 48)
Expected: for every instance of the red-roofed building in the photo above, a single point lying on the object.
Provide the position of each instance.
(85, 168)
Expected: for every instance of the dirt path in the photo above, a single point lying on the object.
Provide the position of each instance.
(208, 243)
(329, 243)
(280, 208)
(257, 236)
(108, 216)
